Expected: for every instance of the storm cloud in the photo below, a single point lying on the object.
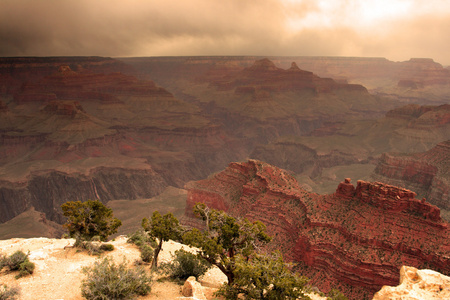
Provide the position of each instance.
(415, 28)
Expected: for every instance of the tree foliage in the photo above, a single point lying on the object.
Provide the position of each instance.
(88, 219)
(265, 277)
(225, 238)
(185, 264)
(163, 228)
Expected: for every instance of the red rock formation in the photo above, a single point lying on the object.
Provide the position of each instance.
(3, 107)
(67, 108)
(263, 74)
(355, 239)
(70, 116)
(425, 172)
(68, 84)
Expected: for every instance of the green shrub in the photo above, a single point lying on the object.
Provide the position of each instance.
(14, 260)
(26, 268)
(185, 264)
(108, 280)
(93, 248)
(335, 294)
(145, 243)
(2, 261)
(9, 293)
(89, 219)
(107, 247)
(140, 237)
(18, 261)
(146, 253)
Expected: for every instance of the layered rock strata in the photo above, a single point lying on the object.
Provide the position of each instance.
(355, 239)
(77, 129)
(426, 172)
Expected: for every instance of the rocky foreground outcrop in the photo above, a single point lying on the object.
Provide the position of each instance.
(417, 284)
(355, 239)
(58, 273)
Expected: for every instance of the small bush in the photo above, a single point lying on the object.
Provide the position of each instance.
(107, 247)
(146, 253)
(185, 264)
(145, 243)
(335, 294)
(9, 293)
(14, 260)
(140, 237)
(93, 248)
(2, 261)
(106, 280)
(26, 268)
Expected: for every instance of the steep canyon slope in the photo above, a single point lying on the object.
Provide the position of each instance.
(77, 133)
(418, 80)
(339, 147)
(355, 239)
(77, 128)
(424, 172)
(84, 128)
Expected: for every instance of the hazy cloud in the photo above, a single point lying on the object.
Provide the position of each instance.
(401, 30)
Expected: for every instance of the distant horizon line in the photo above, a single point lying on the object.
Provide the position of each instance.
(206, 56)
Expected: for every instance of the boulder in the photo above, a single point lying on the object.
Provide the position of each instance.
(417, 284)
(193, 289)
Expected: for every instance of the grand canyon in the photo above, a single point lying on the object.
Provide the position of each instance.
(346, 160)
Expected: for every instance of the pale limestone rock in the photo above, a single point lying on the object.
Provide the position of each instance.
(417, 285)
(193, 289)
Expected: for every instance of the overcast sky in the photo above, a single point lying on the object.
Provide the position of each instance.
(395, 29)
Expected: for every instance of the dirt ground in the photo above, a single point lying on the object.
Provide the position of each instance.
(58, 269)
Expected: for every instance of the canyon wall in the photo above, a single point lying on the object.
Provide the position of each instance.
(355, 239)
(46, 191)
(425, 172)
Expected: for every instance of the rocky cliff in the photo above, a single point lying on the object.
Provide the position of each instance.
(337, 145)
(355, 239)
(418, 80)
(77, 129)
(45, 191)
(425, 172)
(73, 115)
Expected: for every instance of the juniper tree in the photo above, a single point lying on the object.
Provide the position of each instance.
(265, 277)
(163, 228)
(225, 238)
(88, 219)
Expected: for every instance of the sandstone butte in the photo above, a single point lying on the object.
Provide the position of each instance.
(355, 239)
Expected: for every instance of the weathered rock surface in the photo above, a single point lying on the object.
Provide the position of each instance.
(417, 284)
(193, 289)
(46, 191)
(181, 118)
(427, 82)
(77, 129)
(406, 129)
(355, 239)
(425, 172)
(256, 99)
